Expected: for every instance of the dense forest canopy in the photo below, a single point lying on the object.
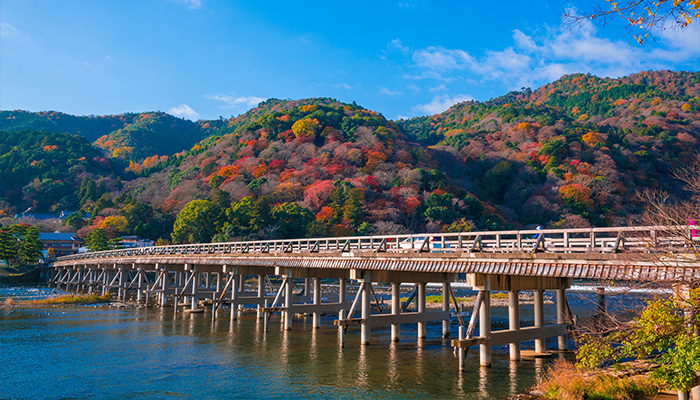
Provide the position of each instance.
(569, 154)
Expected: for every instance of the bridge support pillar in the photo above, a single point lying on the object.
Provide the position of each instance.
(121, 283)
(261, 294)
(539, 319)
(234, 296)
(105, 279)
(395, 310)
(485, 328)
(317, 301)
(420, 305)
(241, 289)
(342, 313)
(139, 294)
(561, 318)
(164, 286)
(695, 393)
(446, 307)
(514, 322)
(195, 286)
(366, 301)
(288, 293)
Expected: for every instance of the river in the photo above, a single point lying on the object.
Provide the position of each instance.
(100, 352)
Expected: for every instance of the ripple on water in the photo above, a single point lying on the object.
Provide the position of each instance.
(105, 353)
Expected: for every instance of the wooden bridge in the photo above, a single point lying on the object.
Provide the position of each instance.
(512, 261)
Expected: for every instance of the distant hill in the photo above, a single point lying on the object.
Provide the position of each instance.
(129, 136)
(44, 170)
(577, 147)
(569, 154)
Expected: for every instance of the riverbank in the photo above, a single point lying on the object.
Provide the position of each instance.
(20, 275)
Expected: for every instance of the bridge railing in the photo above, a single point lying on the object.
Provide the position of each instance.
(629, 239)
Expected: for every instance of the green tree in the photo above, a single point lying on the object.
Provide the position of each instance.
(439, 208)
(97, 240)
(75, 219)
(665, 332)
(30, 246)
(195, 223)
(20, 244)
(352, 211)
(497, 180)
(248, 216)
(292, 220)
(7, 245)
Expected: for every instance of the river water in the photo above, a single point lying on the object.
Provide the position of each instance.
(99, 352)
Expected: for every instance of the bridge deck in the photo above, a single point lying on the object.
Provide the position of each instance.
(631, 253)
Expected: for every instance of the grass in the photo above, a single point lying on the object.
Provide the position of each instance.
(564, 382)
(71, 299)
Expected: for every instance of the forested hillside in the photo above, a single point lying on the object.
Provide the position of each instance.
(569, 154)
(573, 151)
(128, 136)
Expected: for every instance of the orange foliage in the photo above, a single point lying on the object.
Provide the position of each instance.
(50, 147)
(523, 126)
(325, 214)
(134, 167)
(122, 152)
(592, 139)
(305, 129)
(577, 194)
(260, 170)
(228, 171)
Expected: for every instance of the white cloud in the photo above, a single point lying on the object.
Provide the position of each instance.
(8, 30)
(523, 41)
(191, 4)
(343, 85)
(398, 46)
(538, 59)
(440, 58)
(439, 88)
(388, 92)
(183, 111)
(236, 104)
(441, 103)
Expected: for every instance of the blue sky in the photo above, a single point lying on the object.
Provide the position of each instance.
(201, 59)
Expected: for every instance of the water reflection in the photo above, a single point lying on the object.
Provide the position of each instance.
(482, 382)
(392, 367)
(419, 362)
(513, 377)
(539, 368)
(313, 346)
(362, 380)
(188, 355)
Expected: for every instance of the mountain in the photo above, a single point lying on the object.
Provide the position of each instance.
(578, 147)
(572, 153)
(44, 170)
(130, 136)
